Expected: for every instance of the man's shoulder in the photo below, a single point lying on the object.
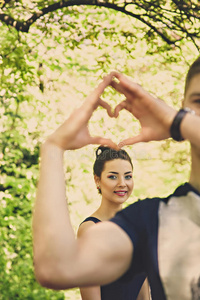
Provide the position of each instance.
(180, 191)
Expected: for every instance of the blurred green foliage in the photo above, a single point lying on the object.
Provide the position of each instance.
(19, 155)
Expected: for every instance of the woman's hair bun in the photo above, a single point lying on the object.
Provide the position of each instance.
(100, 150)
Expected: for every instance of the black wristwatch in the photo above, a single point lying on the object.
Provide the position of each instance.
(175, 127)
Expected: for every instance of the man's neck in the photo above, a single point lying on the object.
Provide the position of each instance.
(195, 169)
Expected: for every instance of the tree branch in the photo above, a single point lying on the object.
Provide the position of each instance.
(147, 19)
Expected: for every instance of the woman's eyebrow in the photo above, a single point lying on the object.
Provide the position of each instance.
(113, 172)
(118, 173)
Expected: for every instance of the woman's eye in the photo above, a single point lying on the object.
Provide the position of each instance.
(127, 177)
(112, 177)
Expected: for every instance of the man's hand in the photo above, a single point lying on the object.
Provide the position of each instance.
(154, 115)
(74, 133)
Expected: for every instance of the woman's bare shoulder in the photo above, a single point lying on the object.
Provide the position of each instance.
(84, 227)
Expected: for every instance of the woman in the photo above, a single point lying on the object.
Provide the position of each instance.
(169, 227)
(113, 177)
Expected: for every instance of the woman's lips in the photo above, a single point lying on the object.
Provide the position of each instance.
(120, 193)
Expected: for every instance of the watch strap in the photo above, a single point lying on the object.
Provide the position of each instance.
(175, 127)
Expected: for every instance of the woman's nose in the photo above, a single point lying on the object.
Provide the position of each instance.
(121, 181)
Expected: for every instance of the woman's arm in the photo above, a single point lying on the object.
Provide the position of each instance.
(144, 293)
(103, 253)
(91, 293)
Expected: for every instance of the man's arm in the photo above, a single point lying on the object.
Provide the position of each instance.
(154, 115)
(88, 293)
(103, 253)
(99, 256)
(190, 129)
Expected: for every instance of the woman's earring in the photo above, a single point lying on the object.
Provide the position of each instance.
(99, 188)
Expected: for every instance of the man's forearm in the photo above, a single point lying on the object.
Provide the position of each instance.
(51, 226)
(190, 129)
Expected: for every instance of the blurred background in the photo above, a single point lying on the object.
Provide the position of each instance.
(52, 55)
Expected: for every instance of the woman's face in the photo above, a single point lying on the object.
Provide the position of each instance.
(116, 182)
(192, 96)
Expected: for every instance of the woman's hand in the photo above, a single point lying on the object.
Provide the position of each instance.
(154, 115)
(74, 133)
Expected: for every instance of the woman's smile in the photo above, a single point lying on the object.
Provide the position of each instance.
(120, 193)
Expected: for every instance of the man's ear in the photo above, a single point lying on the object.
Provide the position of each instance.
(182, 103)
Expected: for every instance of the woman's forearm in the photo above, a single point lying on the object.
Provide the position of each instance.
(91, 293)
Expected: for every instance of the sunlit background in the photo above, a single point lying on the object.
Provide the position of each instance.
(45, 75)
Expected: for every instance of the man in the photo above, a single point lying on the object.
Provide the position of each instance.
(112, 249)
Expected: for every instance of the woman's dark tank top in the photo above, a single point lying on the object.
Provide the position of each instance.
(124, 288)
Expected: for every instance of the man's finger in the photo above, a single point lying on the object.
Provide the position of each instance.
(131, 141)
(119, 107)
(103, 141)
(107, 107)
(126, 85)
(117, 87)
(96, 94)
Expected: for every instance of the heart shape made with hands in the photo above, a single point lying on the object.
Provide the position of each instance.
(109, 80)
(152, 113)
(94, 100)
(122, 129)
(112, 113)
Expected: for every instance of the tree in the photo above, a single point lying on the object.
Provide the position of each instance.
(44, 74)
(171, 20)
(19, 152)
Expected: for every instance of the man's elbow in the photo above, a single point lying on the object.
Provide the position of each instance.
(53, 278)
